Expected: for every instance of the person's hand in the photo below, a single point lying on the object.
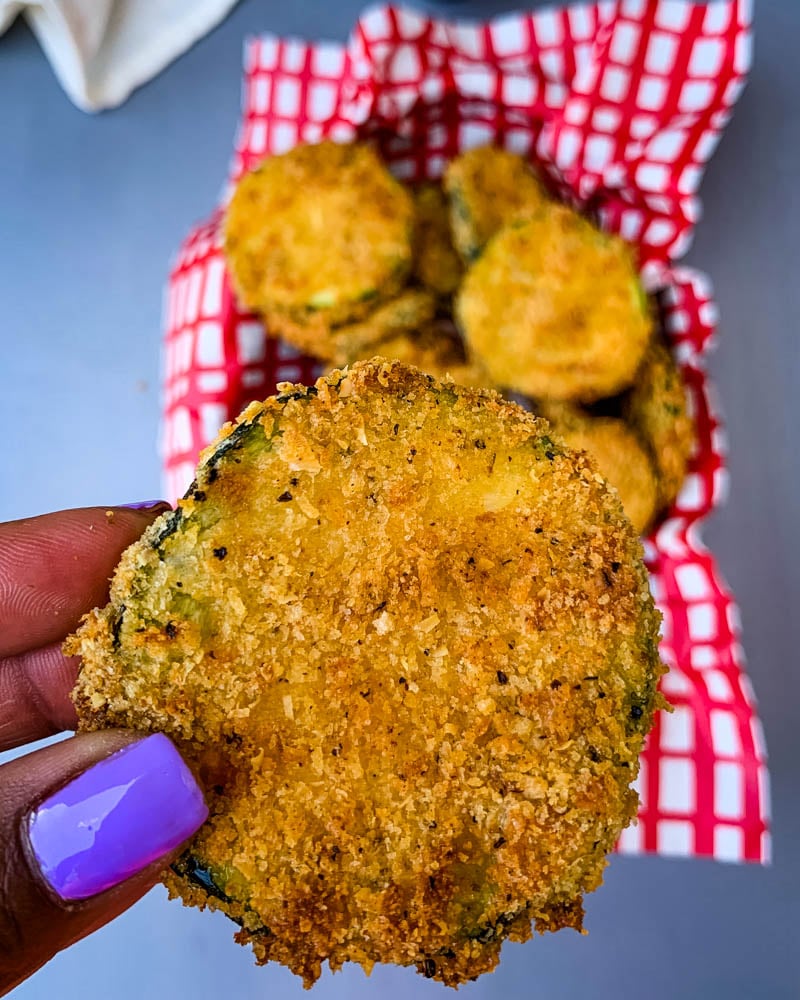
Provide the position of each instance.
(87, 824)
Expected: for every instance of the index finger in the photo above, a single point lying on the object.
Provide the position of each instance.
(56, 567)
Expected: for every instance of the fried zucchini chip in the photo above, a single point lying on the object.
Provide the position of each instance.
(340, 345)
(436, 349)
(322, 229)
(618, 453)
(407, 644)
(487, 188)
(656, 409)
(437, 266)
(554, 309)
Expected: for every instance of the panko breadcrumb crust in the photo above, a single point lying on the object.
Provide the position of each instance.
(656, 409)
(487, 188)
(553, 308)
(322, 230)
(618, 452)
(436, 348)
(406, 643)
(437, 266)
(341, 345)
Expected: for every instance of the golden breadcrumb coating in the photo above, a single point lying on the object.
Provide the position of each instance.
(487, 188)
(435, 348)
(437, 266)
(406, 642)
(618, 452)
(554, 309)
(339, 345)
(321, 229)
(656, 409)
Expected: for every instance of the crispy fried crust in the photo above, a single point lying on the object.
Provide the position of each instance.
(656, 409)
(322, 229)
(340, 345)
(618, 452)
(487, 188)
(407, 644)
(436, 264)
(554, 309)
(436, 349)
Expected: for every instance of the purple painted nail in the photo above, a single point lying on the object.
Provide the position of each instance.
(145, 505)
(116, 818)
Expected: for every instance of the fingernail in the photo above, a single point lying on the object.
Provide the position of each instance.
(116, 818)
(146, 505)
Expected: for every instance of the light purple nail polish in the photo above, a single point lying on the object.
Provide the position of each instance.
(114, 819)
(145, 505)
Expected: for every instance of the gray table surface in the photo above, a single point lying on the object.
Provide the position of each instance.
(91, 208)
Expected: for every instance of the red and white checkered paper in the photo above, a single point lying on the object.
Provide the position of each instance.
(620, 104)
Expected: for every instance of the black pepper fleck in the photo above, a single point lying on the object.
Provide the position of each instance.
(172, 630)
(502, 678)
(118, 626)
(285, 497)
(221, 552)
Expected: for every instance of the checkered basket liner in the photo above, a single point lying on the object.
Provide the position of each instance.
(620, 104)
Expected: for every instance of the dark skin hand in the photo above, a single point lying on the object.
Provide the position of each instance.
(53, 569)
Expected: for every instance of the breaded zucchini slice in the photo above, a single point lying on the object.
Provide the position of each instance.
(437, 266)
(322, 229)
(618, 453)
(436, 349)
(487, 188)
(406, 643)
(340, 345)
(554, 309)
(656, 409)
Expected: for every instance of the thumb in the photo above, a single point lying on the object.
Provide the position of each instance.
(86, 827)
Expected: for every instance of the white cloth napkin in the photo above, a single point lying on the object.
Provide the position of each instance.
(101, 50)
